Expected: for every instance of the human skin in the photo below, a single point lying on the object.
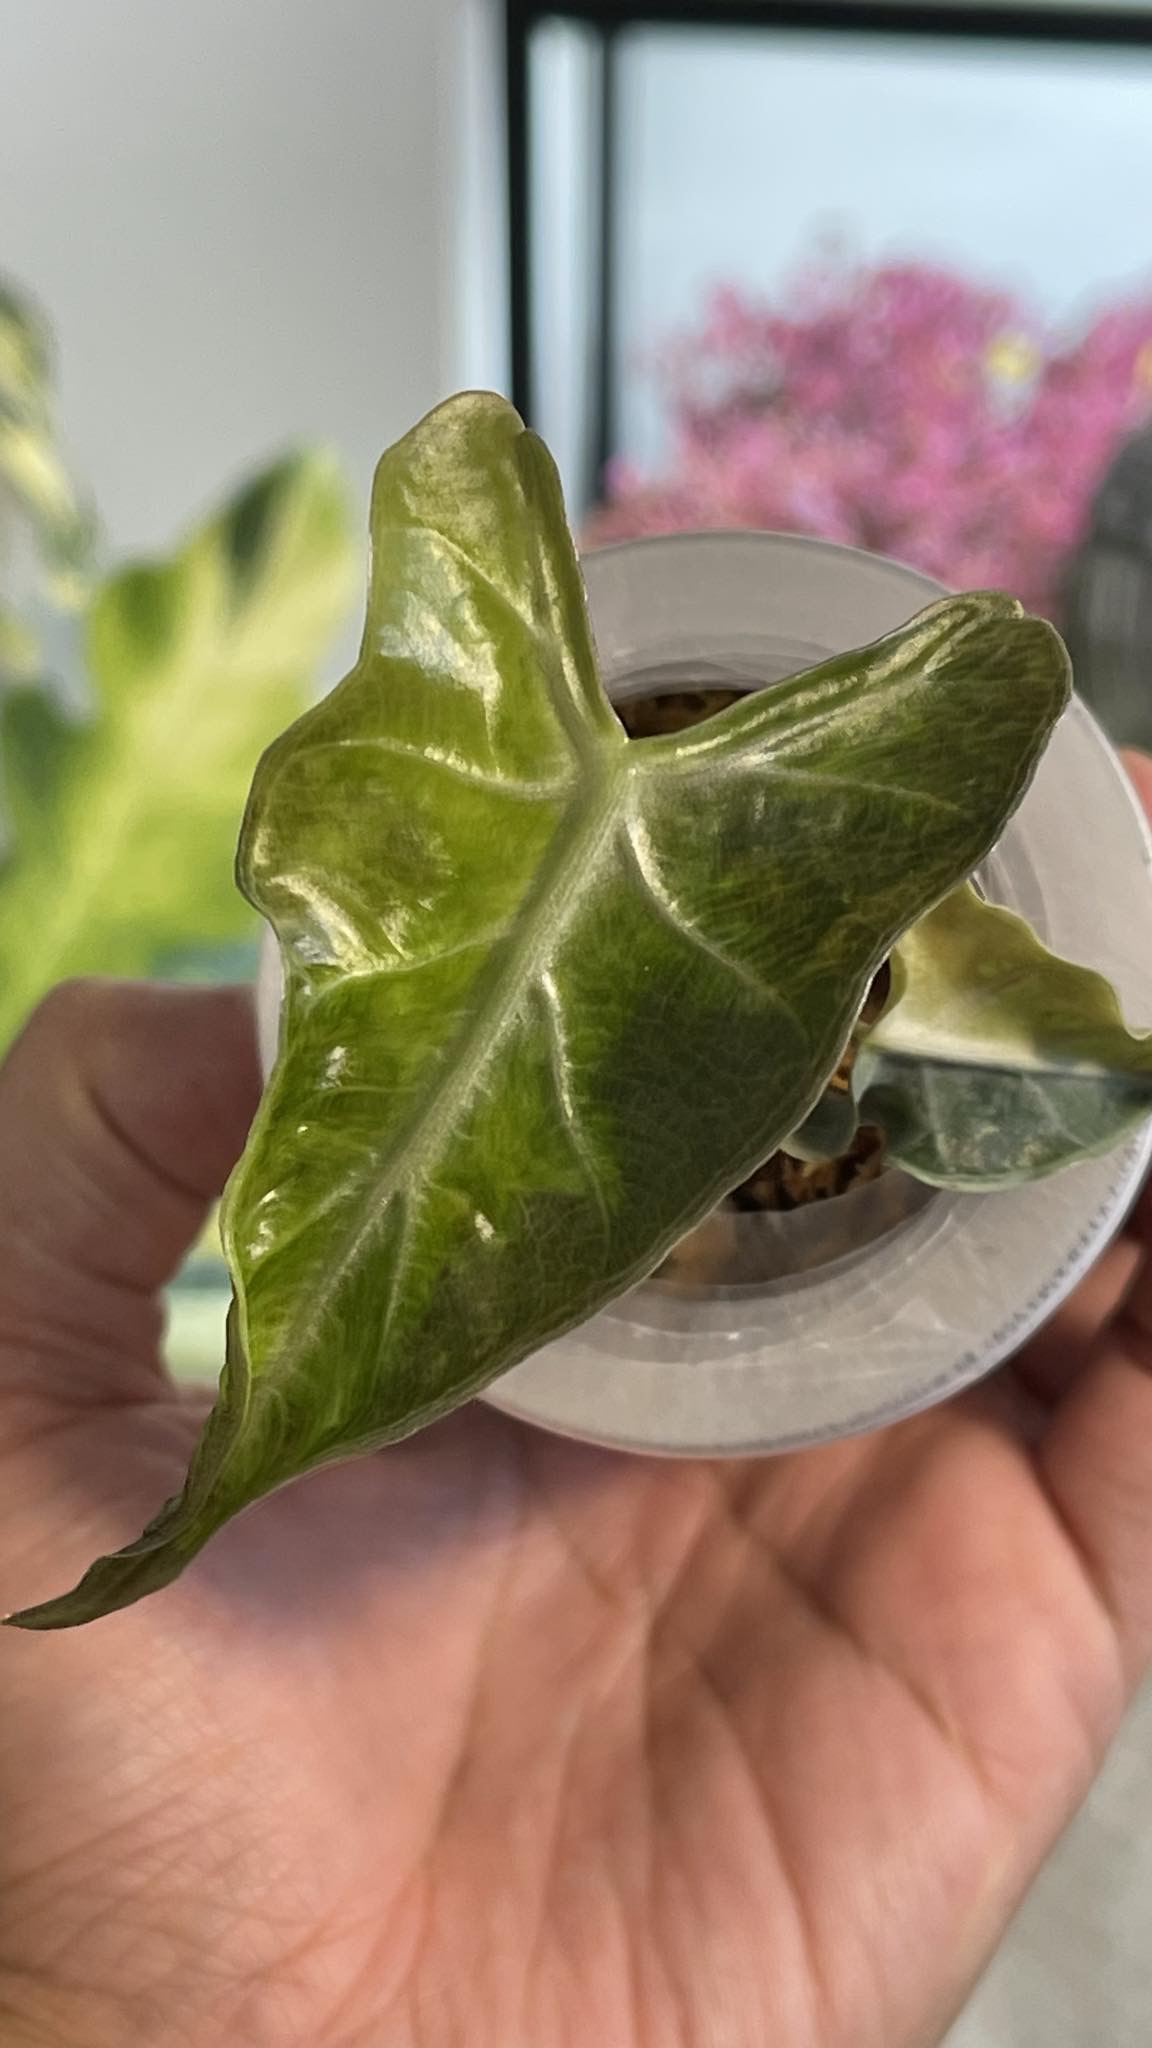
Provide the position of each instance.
(496, 1741)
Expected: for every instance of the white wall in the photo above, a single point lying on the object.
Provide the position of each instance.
(242, 220)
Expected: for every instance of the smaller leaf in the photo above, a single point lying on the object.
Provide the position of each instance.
(828, 1129)
(995, 1061)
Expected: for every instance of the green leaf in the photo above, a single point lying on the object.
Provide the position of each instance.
(25, 355)
(549, 993)
(19, 651)
(995, 1061)
(828, 1129)
(31, 468)
(125, 850)
(33, 472)
(37, 738)
(37, 497)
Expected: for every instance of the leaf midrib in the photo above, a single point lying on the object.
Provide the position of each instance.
(563, 875)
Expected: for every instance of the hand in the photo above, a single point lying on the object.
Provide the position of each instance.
(493, 1739)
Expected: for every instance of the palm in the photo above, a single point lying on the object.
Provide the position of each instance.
(494, 1739)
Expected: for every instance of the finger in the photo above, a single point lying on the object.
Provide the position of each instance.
(123, 1107)
(1096, 1459)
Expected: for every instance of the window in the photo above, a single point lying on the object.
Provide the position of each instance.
(658, 151)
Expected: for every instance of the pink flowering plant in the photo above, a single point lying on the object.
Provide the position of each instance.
(898, 408)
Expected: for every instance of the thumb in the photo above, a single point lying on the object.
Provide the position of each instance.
(123, 1107)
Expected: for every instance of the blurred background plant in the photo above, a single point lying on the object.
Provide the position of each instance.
(46, 533)
(898, 407)
(125, 760)
(257, 225)
(123, 779)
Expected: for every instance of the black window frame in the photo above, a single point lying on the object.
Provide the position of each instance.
(1060, 26)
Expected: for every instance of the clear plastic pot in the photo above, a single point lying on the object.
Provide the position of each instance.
(769, 1331)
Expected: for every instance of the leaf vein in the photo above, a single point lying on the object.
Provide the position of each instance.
(416, 1138)
(671, 914)
(572, 714)
(483, 576)
(830, 780)
(561, 1061)
(463, 771)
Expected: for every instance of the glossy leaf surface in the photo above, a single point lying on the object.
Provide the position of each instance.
(549, 993)
(996, 1061)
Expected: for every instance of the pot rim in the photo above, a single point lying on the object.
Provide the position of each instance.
(945, 1297)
